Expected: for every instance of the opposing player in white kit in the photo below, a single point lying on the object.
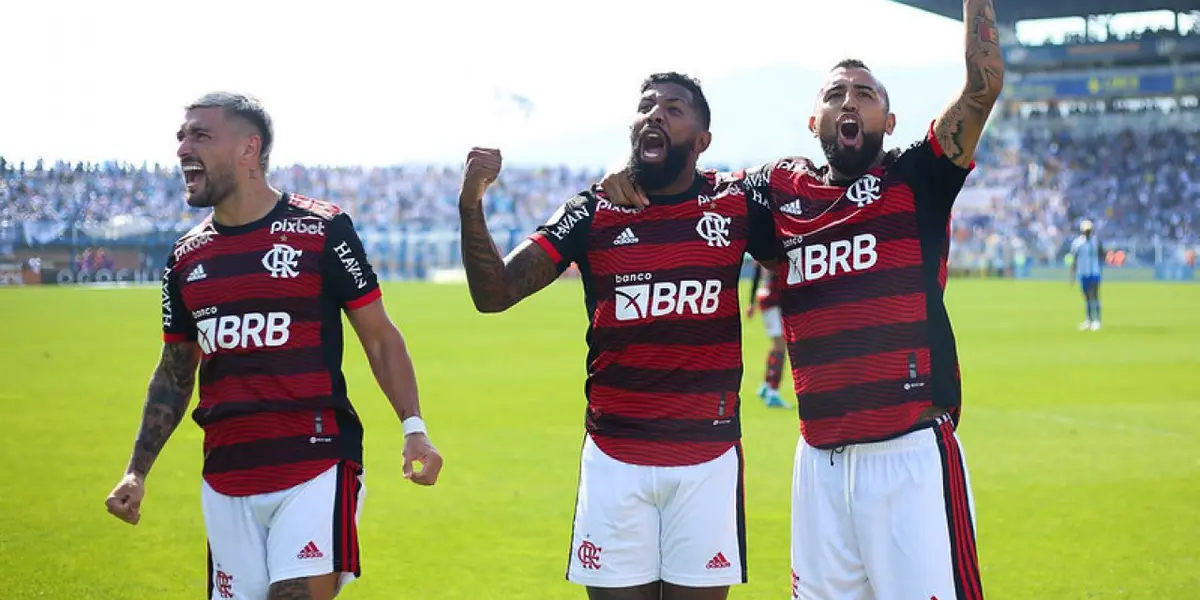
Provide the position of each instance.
(1087, 265)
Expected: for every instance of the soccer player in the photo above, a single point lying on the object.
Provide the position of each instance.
(1087, 262)
(765, 297)
(659, 512)
(253, 296)
(882, 504)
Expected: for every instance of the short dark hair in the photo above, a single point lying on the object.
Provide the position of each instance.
(247, 108)
(854, 63)
(691, 84)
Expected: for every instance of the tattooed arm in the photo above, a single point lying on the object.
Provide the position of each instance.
(497, 283)
(167, 400)
(960, 126)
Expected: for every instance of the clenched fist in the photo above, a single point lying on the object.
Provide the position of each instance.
(483, 166)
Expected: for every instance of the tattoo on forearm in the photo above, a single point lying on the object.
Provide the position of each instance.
(290, 589)
(166, 402)
(498, 283)
(961, 126)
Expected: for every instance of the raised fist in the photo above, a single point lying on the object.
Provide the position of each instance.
(483, 166)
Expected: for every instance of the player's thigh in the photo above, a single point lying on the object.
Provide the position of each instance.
(237, 548)
(825, 558)
(649, 591)
(678, 592)
(321, 587)
(614, 536)
(703, 522)
(773, 321)
(314, 529)
(916, 515)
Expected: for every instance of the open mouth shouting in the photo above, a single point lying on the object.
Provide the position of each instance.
(849, 130)
(193, 174)
(653, 145)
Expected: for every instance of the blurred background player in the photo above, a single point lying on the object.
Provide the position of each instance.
(764, 296)
(1087, 262)
(660, 512)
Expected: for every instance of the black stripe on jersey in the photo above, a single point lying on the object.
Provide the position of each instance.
(825, 293)
(222, 410)
(683, 430)
(236, 264)
(263, 362)
(890, 227)
(854, 343)
(269, 452)
(692, 332)
(650, 381)
(861, 397)
(666, 231)
(301, 308)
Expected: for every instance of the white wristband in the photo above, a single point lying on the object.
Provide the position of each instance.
(413, 425)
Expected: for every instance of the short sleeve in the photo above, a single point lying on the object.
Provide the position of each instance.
(564, 235)
(933, 177)
(761, 241)
(757, 182)
(348, 274)
(177, 322)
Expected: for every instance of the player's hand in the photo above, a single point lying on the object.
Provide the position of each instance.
(750, 311)
(418, 449)
(621, 190)
(125, 501)
(482, 169)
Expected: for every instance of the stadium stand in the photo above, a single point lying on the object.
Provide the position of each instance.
(1103, 125)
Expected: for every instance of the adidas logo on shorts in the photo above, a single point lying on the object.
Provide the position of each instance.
(310, 551)
(718, 562)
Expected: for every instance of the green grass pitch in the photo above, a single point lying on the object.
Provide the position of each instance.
(1084, 448)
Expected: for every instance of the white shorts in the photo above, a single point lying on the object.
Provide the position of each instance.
(773, 321)
(304, 531)
(637, 524)
(893, 520)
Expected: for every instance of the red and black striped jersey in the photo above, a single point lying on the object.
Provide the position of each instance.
(263, 301)
(664, 362)
(868, 335)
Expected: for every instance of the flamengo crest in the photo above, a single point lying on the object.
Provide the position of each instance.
(864, 191)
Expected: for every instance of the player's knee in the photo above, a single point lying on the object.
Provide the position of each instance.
(321, 587)
(777, 344)
(649, 591)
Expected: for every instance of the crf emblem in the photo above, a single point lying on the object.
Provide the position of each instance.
(714, 229)
(589, 555)
(280, 261)
(223, 582)
(864, 191)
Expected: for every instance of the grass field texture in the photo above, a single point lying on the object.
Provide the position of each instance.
(1084, 448)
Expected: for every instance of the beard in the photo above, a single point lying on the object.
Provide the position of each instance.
(851, 162)
(655, 176)
(218, 185)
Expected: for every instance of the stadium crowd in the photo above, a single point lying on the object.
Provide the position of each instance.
(1141, 186)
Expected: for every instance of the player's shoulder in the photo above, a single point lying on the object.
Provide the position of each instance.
(303, 206)
(195, 238)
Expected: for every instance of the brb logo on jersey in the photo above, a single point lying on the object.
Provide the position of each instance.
(864, 191)
(244, 332)
(817, 261)
(714, 229)
(658, 299)
(280, 261)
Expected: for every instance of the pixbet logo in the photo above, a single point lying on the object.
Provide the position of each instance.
(635, 302)
(817, 261)
(243, 332)
(298, 226)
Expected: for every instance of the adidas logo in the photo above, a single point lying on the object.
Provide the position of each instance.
(197, 274)
(625, 238)
(792, 208)
(718, 562)
(310, 551)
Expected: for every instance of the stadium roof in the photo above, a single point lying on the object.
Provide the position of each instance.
(1011, 11)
